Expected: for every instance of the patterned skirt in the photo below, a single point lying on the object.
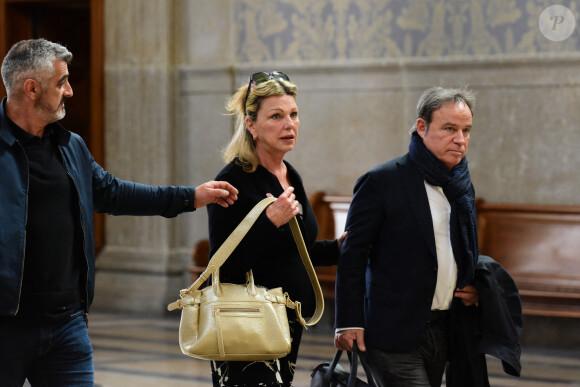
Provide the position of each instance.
(271, 373)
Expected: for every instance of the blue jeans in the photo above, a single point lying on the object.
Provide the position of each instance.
(421, 367)
(46, 355)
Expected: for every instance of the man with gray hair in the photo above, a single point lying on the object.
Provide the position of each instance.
(50, 187)
(411, 248)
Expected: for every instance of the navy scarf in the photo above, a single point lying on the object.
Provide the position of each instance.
(456, 185)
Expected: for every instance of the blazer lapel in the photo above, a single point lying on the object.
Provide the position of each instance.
(414, 187)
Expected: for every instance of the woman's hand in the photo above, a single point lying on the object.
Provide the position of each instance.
(341, 239)
(284, 208)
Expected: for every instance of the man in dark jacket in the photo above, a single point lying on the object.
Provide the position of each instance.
(50, 186)
(411, 248)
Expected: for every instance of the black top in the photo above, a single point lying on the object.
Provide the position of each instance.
(269, 251)
(52, 261)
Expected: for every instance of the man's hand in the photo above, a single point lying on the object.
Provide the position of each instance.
(220, 192)
(343, 339)
(468, 295)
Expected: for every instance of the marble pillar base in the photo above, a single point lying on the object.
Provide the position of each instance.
(138, 282)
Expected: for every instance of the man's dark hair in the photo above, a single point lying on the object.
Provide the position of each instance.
(435, 97)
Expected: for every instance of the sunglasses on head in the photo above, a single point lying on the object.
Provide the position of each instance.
(261, 77)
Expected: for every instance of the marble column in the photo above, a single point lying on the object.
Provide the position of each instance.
(141, 267)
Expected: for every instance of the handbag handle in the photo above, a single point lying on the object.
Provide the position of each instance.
(217, 288)
(353, 360)
(354, 366)
(232, 241)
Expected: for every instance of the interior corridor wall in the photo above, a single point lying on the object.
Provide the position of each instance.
(360, 67)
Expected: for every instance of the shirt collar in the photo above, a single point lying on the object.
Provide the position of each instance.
(23, 136)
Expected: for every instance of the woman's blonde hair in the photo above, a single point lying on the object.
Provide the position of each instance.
(242, 146)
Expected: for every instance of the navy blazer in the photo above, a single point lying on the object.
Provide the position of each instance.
(387, 270)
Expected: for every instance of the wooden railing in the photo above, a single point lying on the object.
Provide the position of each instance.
(539, 245)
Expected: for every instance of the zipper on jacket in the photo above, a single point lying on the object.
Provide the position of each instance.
(86, 306)
(25, 227)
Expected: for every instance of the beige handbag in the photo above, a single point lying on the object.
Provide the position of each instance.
(241, 322)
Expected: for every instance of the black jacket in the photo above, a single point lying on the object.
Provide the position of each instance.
(493, 328)
(269, 251)
(387, 270)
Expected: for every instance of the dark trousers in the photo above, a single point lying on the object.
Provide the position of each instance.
(46, 355)
(422, 367)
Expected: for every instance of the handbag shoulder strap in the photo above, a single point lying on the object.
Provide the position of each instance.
(224, 251)
(311, 274)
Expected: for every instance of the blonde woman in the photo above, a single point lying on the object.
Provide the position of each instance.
(267, 128)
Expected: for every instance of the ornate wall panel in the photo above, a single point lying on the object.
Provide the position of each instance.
(299, 30)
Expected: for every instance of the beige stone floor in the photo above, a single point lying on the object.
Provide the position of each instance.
(141, 351)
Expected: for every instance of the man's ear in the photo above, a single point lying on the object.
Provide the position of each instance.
(31, 88)
(421, 127)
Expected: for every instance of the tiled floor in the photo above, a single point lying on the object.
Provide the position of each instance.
(138, 351)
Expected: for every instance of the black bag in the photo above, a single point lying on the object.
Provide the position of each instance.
(333, 375)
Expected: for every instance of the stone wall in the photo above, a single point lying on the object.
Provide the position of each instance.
(360, 67)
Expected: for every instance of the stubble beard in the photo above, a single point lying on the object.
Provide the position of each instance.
(47, 114)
